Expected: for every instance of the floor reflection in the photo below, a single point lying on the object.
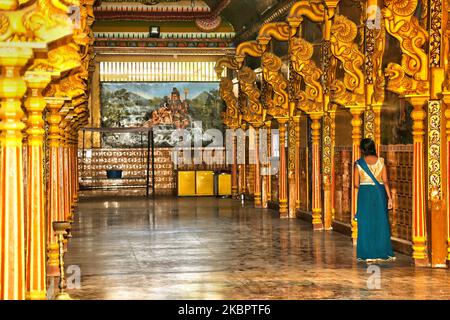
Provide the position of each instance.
(207, 248)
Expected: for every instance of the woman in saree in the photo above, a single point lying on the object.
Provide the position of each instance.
(374, 201)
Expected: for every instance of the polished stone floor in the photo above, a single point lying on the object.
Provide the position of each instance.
(207, 248)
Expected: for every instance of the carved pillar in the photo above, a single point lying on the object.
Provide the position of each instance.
(54, 106)
(369, 123)
(95, 107)
(316, 175)
(447, 130)
(265, 187)
(269, 153)
(418, 115)
(234, 167)
(74, 156)
(63, 165)
(297, 161)
(242, 161)
(71, 163)
(333, 176)
(292, 183)
(356, 154)
(282, 181)
(36, 224)
(257, 168)
(327, 154)
(12, 246)
(436, 188)
(377, 126)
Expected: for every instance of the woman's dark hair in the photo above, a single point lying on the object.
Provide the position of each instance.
(368, 148)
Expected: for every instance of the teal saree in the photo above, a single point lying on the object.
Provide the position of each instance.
(374, 234)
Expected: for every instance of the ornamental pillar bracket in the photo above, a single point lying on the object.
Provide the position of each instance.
(231, 115)
(278, 104)
(225, 62)
(351, 90)
(311, 99)
(314, 10)
(276, 30)
(253, 112)
(411, 77)
(251, 48)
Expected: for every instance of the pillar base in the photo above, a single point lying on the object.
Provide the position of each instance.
(422, 263)
(258, 202)
(36, 295)
(318, 227)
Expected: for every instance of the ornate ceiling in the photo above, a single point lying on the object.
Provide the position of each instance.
(242, 14)
(210, 24)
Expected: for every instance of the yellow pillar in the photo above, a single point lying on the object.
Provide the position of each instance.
(292, 182)
(356, 154)
(447, 131)
(54, 106)
(12, 237)
(377, 126)
(242, 164)
(419, 115)
(74, 161)
(327, 171)
(234, 167)
(297, 161)
(282, 179)
(36, 224)
(316, 176)
(63, 158)
(257, 168)
(268, 178)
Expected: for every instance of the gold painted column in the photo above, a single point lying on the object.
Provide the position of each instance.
(257, 168)
(282, 180)
(327, 171)
(269, 153)
(447, 131)
(36, 217)
(419, 115)
(54, 106)
(292, 178)
(242, 161)
(265, 187)
(234, 167)
(74, 157)
(377, 126)
(12, 237)
(316, 176)
(356, 154)
(297, 161)
(63, 165)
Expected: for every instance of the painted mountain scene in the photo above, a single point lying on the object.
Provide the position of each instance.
(195, 107)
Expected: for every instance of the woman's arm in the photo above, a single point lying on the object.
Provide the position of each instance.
(356, 177)
(386, 186)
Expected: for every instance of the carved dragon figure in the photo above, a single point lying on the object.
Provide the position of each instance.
(231, 116)
(277, 30)
(278, 105)
(40, 22)
(303, 64)
(402, 84)
(225, 62)
(340, 94)
(405, 27)
(343, 33)
(254, 112)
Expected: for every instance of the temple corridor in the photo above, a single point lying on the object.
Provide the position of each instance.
(208, 248)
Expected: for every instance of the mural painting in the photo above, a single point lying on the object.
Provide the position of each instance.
(166, 107)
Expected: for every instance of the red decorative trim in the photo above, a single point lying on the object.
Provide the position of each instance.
(160, 16)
